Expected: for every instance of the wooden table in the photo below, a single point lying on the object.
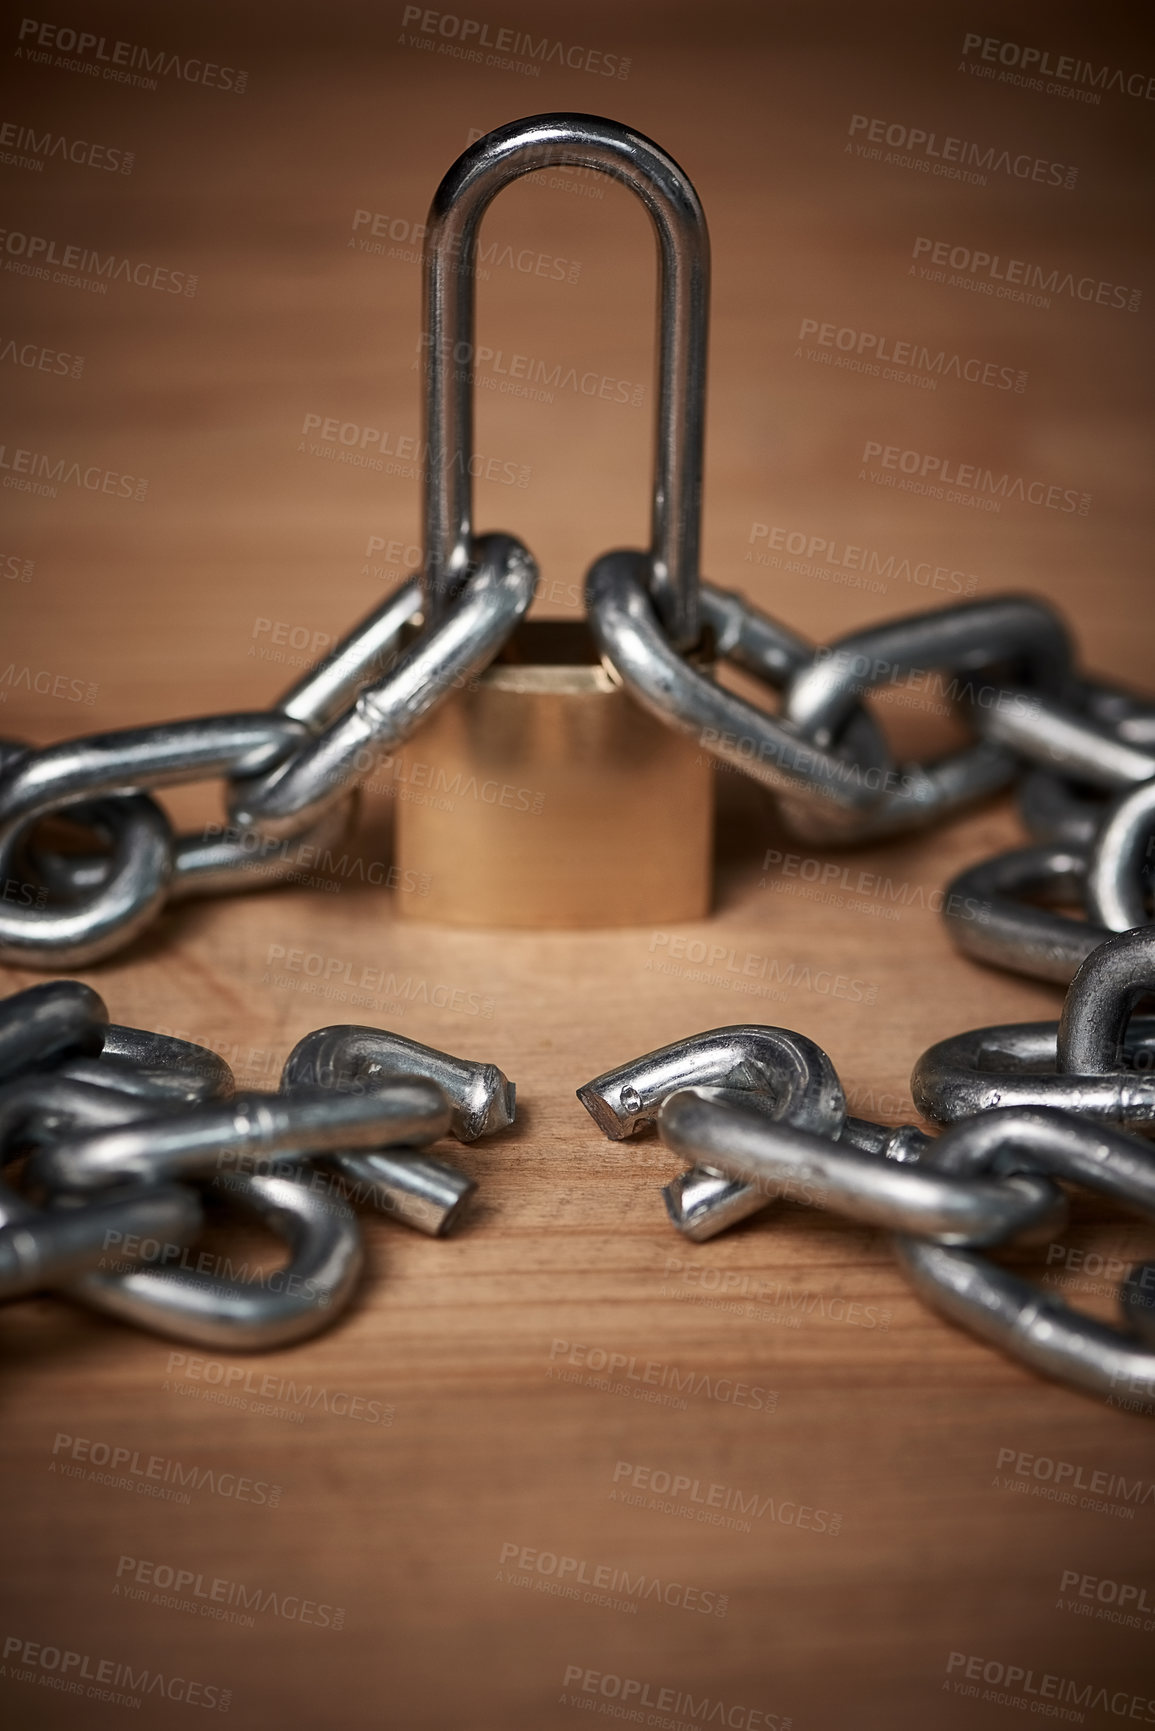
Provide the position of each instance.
(821, 1387)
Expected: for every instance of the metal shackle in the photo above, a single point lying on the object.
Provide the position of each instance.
(460, 202)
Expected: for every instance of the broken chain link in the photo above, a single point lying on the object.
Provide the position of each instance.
(751, 1125)
(128, 1135)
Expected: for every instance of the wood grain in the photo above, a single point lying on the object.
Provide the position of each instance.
(213, 590)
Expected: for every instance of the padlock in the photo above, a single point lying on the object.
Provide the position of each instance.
(545, 796)
(542, 794)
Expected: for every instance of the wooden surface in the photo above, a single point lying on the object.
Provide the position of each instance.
(248, 543)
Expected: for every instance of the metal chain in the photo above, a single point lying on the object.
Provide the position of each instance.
(1110, 875)
(293, 770)
(1013, 1313)
(127, 1133)
(1097, 1061)
(751, 1128)
(289, 771)
(751, 1110)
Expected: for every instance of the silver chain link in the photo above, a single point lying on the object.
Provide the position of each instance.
(128, 1133)
(1097, 1061)
(1025, 1105)
(290, 771)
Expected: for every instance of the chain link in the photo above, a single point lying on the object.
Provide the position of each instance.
(1015, 1314)
(988, 1181)
(125, 1130)
(784, 1074)
(1097, 1061)
(290, 772)
(1055, 807)
(1110, 877)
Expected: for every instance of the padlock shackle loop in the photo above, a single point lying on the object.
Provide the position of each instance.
(460, 202)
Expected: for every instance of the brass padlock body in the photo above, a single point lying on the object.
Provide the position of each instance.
(543, 796)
